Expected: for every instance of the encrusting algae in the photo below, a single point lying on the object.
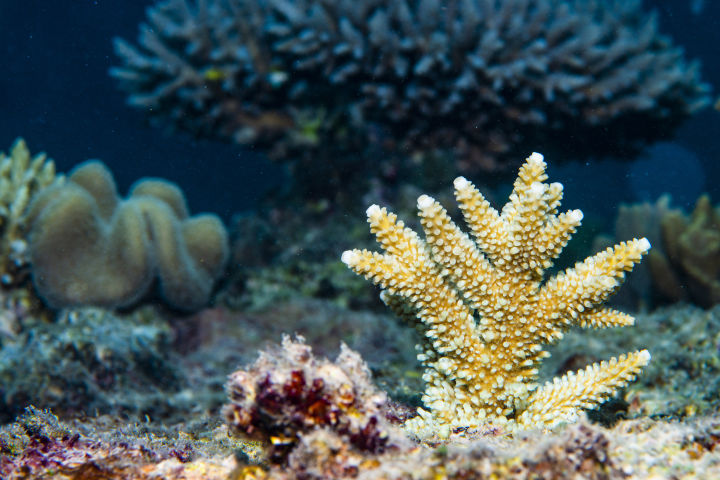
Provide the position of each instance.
(485, 309)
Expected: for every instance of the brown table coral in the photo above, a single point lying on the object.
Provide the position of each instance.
(481, 76)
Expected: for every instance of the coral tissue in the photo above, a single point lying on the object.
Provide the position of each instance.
(485, 309)
(90, 247)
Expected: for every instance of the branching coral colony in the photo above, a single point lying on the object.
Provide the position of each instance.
(485, 311)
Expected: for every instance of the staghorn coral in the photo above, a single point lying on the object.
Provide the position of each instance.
(22, 178)
(683, 380)
(88, 247)
(478, 75)
(485, 310)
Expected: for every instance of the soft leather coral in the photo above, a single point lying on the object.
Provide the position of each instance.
(89, 247)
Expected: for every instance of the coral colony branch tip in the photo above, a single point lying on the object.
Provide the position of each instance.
(485, 311)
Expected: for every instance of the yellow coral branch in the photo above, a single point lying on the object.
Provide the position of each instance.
(484, 310)
(591, 282)
(604, 318)
(561, 399)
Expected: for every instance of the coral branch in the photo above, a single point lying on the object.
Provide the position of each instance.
(485, 311)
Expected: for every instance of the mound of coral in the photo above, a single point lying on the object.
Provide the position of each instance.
(89, 247)
(478, 76)
(684, 265)
(688, 266)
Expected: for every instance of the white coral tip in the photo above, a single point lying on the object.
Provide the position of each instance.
(349, 257)
(425, 201)
(461, 183)
(373, 211)
(575, 216)
(643, 244)
(537, 189)
(536, 157)
(644, 357)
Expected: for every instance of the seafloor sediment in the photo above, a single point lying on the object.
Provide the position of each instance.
(665, 425)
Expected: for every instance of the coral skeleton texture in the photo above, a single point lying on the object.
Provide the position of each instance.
(485, 309)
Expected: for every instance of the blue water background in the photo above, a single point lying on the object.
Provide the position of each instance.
(55, 92)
